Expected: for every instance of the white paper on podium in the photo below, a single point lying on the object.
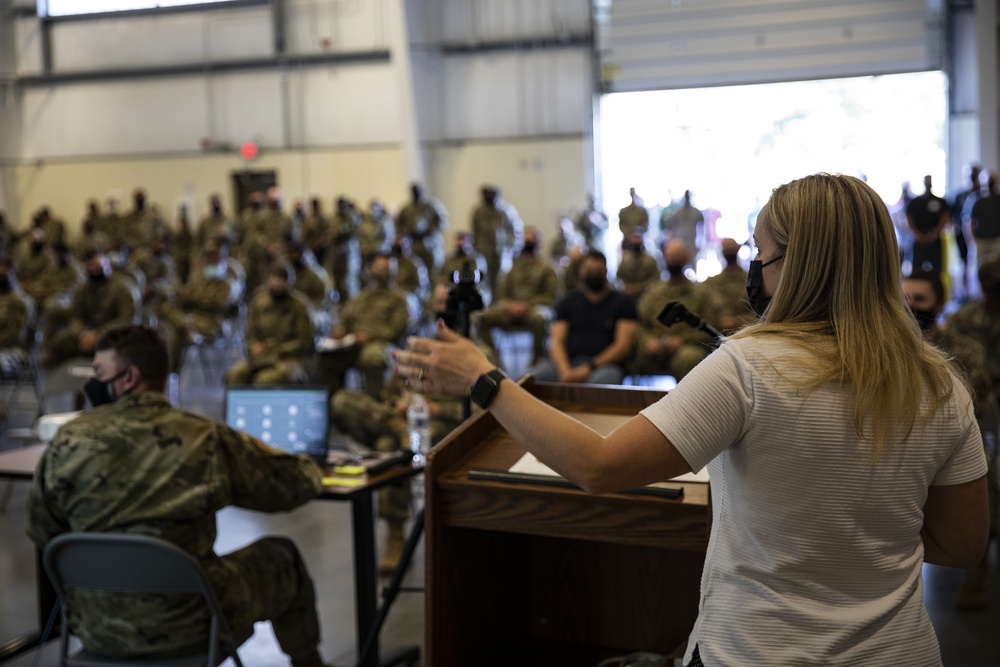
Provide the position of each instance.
(530, 465)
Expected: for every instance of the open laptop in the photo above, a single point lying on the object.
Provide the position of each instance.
(295, 419)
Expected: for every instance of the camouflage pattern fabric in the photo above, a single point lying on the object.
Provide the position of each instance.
(140, 466)
(284, 328)
(532, 280)
(695, 346)
(730, 290)
(637, 271)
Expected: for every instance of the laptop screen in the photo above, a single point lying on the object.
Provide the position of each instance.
(294, 419)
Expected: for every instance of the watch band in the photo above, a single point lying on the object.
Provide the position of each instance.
(486, 387)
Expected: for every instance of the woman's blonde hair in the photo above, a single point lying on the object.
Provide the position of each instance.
(840, 295)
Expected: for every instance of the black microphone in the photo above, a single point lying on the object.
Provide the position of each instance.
(675, 312)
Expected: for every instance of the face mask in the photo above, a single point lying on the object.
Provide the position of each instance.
(925, 318)
(731, 259)
(528, 249)
(595, 283)
(98, 277)
(675, 269)
(279, 296)
(632, 248)
(4, 284)
(99, 392)
(755, 286)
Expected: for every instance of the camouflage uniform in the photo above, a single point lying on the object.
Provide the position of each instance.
(313, 282)
(411, 276)
(112, 226)
(730, 290)
(34, 269)
(696, 345)
(376, 423)
(199, 309)
(637, 271)
(633, 216)
(140, 466)
(343, 256)
(97, 306)
(976, 322)
(591, 224)
(375, 234)
(315, 234)
(58, 285)
(383, 314)
(182, 249)
(425, 223)
(496, 233)
(14, 315)
(533, 280)
(284, 327)
(141, 226)
(160, 273)
(215, 226)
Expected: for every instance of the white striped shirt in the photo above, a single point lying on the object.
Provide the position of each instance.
(815, 553)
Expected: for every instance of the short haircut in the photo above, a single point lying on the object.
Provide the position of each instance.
(596, 254)
(141, 347)
(930, 277)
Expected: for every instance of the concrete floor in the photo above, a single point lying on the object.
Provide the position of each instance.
(323, 532)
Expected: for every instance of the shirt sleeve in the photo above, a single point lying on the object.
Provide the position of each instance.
(626, 309)
(708, 410)
(266, 479)
(967, 461)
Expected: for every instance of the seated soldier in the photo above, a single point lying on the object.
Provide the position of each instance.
(201, 305)
(593, 331)
(100, 304)
(464, 256)
(279, 335)
(524, 298)
(980, 319)
(15, 316)
(925, 295)
(34, 267)
(310, 278)
(370, 325)
(637, 270)
(673, 350)
(171, 472)
(159, 271)
(730, 289)
(411, 274)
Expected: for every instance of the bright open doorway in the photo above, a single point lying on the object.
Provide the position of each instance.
(731, 146)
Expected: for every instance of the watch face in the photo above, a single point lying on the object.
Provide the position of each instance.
(485, 388)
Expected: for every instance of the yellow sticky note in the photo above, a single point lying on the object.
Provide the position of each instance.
(343, 481)
(350, 470)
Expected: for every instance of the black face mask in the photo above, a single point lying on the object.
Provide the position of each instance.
(755, 286)
(98, 277)
(675, 269)
(731, 259)
(925, 318)
(279, 296)
(4, 284)
(99, 392)
(528, 249)
(595, 283)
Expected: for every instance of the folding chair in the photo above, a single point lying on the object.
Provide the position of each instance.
(134, 564)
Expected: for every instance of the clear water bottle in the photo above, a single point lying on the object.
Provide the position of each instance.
(418, 419)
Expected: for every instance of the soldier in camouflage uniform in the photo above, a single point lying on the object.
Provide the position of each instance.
(315, 229)
(100, 304)
(201, 305)
(677, 349)
(376, 231)
(411, 274)
(279, 335)
(55, 289)
(634, 215)
(380, 423)
(34, 267)
(15, 313)
(310, 278)
(377, 319)
(638, 269)
(925, 294)
(111, 224)
(91, 236)
(591, 224)
(182, 245)
(343, 255)
(142, 224)
(424, 220)
(524, 299)
(496, 233)
(456, 262)
(216, 224)
(137, 465)
(159, 270)
(980, 319)
(730, 289)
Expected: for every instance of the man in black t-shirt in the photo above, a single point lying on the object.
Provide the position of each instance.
(593, 331)
(927, 215)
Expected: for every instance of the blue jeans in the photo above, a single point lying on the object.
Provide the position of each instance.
(545, 371)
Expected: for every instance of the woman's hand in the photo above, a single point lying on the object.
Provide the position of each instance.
(449, 365)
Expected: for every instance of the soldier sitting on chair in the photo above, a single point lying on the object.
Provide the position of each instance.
(279, 335)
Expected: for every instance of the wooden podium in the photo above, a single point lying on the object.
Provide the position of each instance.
(525, 574)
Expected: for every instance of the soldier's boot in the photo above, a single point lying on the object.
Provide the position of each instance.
(393, 548)
(975, 592)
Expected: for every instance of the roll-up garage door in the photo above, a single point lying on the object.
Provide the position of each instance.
(663, 44)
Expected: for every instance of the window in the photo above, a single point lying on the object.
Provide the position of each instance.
(76, 7)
